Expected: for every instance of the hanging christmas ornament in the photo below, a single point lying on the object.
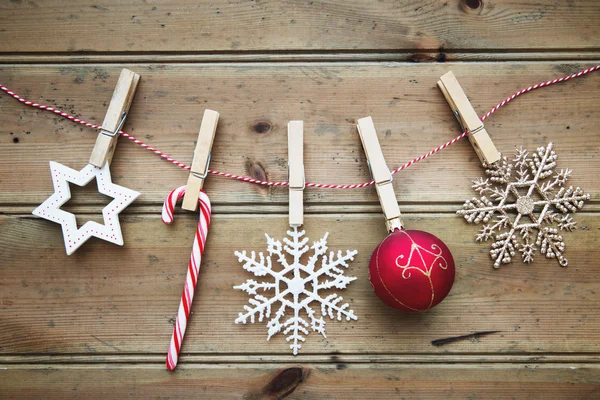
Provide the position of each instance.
(193, 196)
(410, 270)
(294, 284)
(524, 203)
(74, 237)
(98, 168)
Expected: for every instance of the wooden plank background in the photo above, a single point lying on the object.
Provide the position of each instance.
(259, 25)
(97, 323)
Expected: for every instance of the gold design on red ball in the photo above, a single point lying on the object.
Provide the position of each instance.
(425, 269)
(435, 251)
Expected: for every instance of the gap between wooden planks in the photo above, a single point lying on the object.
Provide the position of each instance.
(277, 358)
(415, 56)
(93, 208)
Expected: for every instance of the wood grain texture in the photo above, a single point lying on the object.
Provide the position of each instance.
(96, 325)
(220, 25)
(331, 381)
(110, 300)
(256, 101)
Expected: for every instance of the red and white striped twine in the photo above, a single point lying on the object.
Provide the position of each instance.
(185, 305)
(309, 184)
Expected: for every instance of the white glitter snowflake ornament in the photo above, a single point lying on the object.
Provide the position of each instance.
(295, 286)
(295, 280)
(524, 206)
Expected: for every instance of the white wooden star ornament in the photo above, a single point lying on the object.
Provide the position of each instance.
(74, 237)
(98, 168)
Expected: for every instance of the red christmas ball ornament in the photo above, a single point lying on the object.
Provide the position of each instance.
(411, 270)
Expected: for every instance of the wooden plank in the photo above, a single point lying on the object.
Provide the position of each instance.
(106, 299)
(256, 101)
(335, 381)
(221, 25)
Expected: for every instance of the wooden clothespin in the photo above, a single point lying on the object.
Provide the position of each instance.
(380, 173)
(115, 118)
(296, 172)
(468, 119)
(201, 160)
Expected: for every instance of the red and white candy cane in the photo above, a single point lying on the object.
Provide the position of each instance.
(193, 268)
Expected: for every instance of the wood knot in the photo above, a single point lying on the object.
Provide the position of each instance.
(471, 5)
(422, 57)
(338, 365)
(262, 127)
(428, 57)
(281, 385)
(256, 170)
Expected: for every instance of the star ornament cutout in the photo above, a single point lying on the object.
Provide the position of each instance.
(74, 237)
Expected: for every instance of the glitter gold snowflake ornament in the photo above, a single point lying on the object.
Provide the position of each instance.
(524, 204)
(289, 289)
(98, 168)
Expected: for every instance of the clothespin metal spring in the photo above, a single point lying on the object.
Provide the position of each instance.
(117, 129)
(205, 173)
